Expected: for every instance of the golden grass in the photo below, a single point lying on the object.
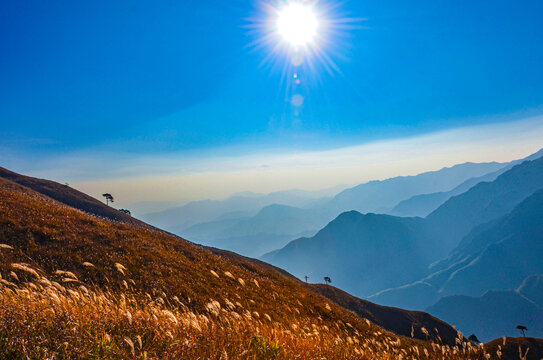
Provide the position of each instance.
(73, 286)
(46, 320)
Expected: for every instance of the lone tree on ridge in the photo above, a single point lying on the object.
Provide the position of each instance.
(109, 198)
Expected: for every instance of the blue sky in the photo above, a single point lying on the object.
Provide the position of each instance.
(151, 79)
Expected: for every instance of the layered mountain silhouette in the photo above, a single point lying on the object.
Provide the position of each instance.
(484, 202)
(497, 255)
(361, 253)
(422, 205)
(365, 253)
(239, 206)
(271, 228)
(503, 255)
(239, 224)
(382, 195)
(248, 231)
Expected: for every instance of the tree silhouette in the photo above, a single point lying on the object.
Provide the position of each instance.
(523, 329)
(327, 280)
(127, 212)
(109, 198)
(474, 339)
(306, 277)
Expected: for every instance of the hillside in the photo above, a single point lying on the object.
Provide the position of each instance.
(382, 195)
(505, 254)
(136, 290)
(498, 255)
(68, 196)
(484, 202)
(271, 228)
(361, 253)
(492, 315)
(422, 205)
(402, 322)
(510, 347)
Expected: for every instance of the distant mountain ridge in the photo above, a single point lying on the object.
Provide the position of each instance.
(289, 223)
(422, 205)
(346, 248)
(378, 196)
(497, 255)
(492, 281)
(352, 250)
(271, 228)
(484, 202)
(240, 206)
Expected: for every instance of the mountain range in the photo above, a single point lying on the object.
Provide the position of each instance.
(485, 239)
(485, 248)
(422, 205)
(238, 223)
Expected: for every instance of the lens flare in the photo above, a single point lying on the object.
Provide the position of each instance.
(302, 40)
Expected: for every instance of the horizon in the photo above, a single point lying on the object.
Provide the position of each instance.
(337, 168)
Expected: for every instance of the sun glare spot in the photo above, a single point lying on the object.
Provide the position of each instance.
(297, 24)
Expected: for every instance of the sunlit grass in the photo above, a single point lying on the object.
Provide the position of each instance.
(73, 286)
(43, 319)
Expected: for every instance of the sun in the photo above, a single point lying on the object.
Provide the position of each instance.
(297, 24)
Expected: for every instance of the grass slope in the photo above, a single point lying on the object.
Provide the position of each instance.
(68, 196)
(402, 322)
(75, 286)
(523, 348)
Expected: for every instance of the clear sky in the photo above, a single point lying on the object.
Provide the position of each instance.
(97, 92)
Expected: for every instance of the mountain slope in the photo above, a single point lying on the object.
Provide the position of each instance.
(403, 322)
(137, 275)
(243, 205)
(494, 314)
(422, 205)
(508, 348)
(271, 228)
(484, 202)
(506, 253)
(361, 253)
(497, 255)
(532, 288)
(68, 196)
(378, 196)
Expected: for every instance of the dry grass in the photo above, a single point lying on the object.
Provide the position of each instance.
(46, 320)
(74, 286)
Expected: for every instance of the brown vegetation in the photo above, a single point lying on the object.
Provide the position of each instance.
(400, 321)
(524, 348)
(77, 286)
